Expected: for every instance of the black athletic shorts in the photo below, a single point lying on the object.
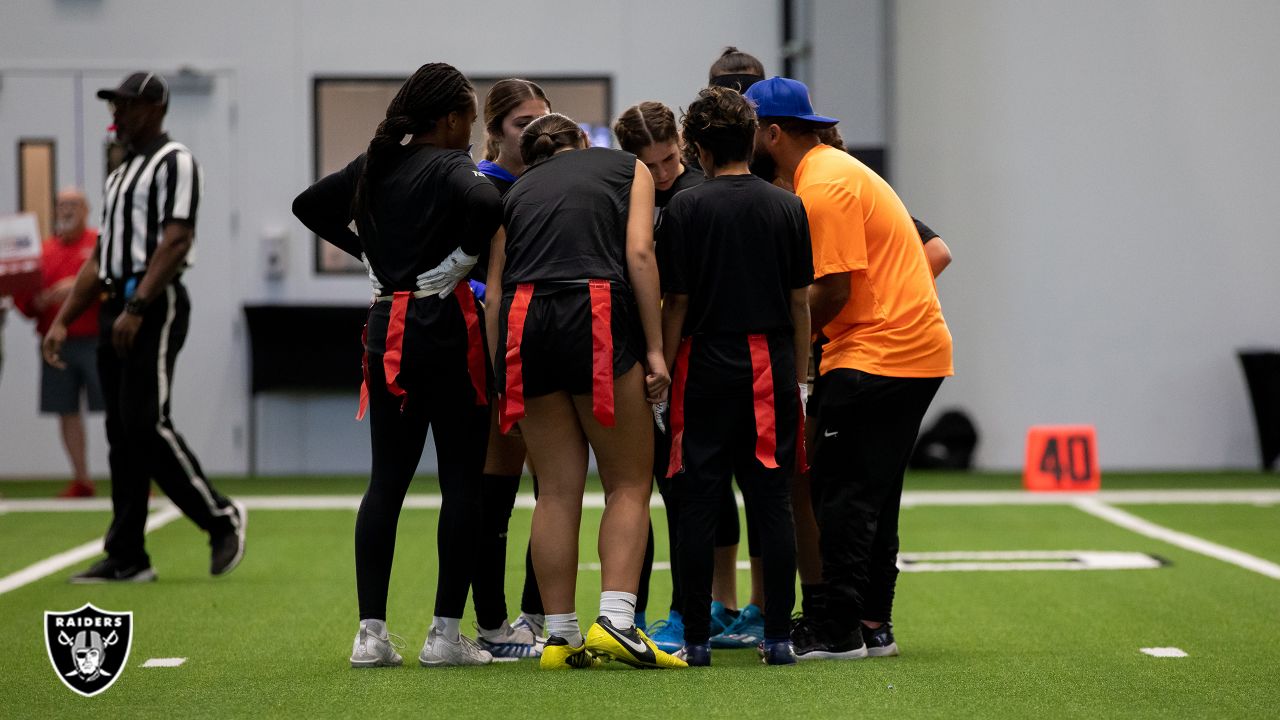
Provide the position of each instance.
(556, 348)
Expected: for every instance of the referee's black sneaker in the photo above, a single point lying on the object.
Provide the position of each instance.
(879, 641)
(110, 570)
(819, 641)
(227, 546)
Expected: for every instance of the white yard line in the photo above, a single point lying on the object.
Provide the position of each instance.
(1133, 523)
(1165, 652)
(1098, 504)
(79, 554)
(940, 498)
(163, 662)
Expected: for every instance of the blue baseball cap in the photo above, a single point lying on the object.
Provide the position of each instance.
(784, 97)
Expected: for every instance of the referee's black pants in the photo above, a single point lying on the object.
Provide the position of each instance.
(143, 442)
(720, 444)
(867, 427)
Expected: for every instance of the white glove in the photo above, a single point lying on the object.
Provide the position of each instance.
(443, 278)
(804, 400)
(373, 279)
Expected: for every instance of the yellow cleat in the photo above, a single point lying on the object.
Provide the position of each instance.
(632, 646)
(557, 655)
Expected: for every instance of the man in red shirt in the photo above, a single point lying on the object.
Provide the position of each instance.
(61, 389)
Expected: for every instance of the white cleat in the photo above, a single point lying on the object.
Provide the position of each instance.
(439, 652)
(511, 642)
(375, 647)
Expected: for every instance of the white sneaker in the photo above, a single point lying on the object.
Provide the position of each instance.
(370, 650)
(535, 629)
(439, 652)
(510, 642)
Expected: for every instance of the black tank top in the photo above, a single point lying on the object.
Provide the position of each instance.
(566, 218)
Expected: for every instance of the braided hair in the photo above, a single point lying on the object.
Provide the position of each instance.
(432, 92)
(640, 126)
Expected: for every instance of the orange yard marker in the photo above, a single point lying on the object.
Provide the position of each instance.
(1062, 458)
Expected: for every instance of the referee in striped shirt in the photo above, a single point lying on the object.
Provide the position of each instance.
(147, 231)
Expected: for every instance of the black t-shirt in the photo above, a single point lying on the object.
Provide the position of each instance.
(926, 233)
(428, 203)
(737, 246)
(691, 177)
(566, 218)
(498, 175)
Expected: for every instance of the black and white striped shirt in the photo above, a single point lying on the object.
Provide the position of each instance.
(154, 187)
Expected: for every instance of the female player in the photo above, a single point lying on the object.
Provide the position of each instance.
(649, 132)
(510, 106)
(736, 267)
(422, 213)
(736, 70)
(579, 326)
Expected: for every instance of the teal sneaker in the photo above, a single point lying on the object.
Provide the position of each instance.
(668, 634)
(745, 632)
(721, 617)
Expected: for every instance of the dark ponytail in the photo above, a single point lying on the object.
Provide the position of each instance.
(546, 135)
(735, 62)
(432, 92)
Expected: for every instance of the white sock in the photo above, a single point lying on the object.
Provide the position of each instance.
(619, 607)
(565, 626)
(536, 621)
(449, 627)
(376, 628)
(495, 633)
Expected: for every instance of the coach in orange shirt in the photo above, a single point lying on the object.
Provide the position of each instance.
(874, 298)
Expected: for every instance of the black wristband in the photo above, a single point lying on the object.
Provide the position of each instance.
(135, 306)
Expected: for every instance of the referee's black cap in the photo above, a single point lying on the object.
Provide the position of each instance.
(146, 86)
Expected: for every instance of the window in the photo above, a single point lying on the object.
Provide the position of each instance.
(37, 181)
(347, 111)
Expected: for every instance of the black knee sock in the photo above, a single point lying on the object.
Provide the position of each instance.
(642, 592)
(531, 599)
(498, 496)
(810, 599)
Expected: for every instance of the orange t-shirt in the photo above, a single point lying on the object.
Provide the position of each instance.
(892, 324)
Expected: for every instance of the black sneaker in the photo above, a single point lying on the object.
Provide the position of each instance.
(108, 570)
(822, 644)
(879, 640)
(227, 546)
(804, 634)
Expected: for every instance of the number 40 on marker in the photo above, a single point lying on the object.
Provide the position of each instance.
(1061, 457)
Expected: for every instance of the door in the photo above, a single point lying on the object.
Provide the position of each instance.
(210, 386)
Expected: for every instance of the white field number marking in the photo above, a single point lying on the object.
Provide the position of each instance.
(1026, 560)
(1170, 652)
(996, 561)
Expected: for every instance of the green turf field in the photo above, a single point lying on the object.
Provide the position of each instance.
(272, 639)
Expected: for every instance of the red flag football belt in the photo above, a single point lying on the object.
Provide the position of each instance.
(762, 401)
(394, 348)
(512, 408)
